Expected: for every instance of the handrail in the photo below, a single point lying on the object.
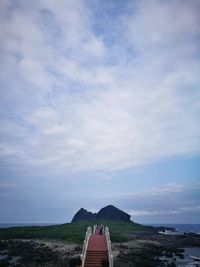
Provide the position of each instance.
(94, 229)
(110, 254)
(85, 245)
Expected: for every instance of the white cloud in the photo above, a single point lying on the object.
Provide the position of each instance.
(164, 191)
(163, 24)
(169, 202)
(181, 210)
(77, 112)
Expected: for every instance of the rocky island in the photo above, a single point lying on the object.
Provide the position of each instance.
(109, 212)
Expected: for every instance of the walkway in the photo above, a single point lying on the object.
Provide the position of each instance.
(97, 250)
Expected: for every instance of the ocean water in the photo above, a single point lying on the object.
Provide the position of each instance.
(8, 225)
(188, 261)
(181, 228)
(190, 252)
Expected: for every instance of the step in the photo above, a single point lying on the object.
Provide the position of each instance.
(96, 254)
(95, 259)
(87, 260)
(105, 256)
(94, 262)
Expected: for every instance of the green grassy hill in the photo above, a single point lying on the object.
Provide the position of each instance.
(70, 232)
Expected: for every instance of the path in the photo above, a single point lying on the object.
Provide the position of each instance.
(97, 250)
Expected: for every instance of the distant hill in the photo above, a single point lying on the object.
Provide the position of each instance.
(109, 212)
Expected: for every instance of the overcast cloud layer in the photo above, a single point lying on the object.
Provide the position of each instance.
(97, 85)
(175, 202)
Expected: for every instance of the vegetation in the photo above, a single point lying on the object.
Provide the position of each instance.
(65, 232)
(70, 232)
(121, 231)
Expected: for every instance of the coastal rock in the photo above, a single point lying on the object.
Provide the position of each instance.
(83, 215)
(109, 212)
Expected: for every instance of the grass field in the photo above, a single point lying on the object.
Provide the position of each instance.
(70, 232)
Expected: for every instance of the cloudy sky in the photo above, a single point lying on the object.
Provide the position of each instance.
(99, 104)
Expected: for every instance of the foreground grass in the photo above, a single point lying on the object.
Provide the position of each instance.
(70, 232)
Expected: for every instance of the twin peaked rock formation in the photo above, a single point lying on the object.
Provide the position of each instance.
(107, 213)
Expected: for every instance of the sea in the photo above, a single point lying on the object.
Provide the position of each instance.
(8, 225)
(180, 228)
(191, 254)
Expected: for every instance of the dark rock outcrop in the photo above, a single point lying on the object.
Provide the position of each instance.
(107, 213)
(83, 215)
(112, 213)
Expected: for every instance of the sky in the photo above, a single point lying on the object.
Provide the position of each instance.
(99, 104)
